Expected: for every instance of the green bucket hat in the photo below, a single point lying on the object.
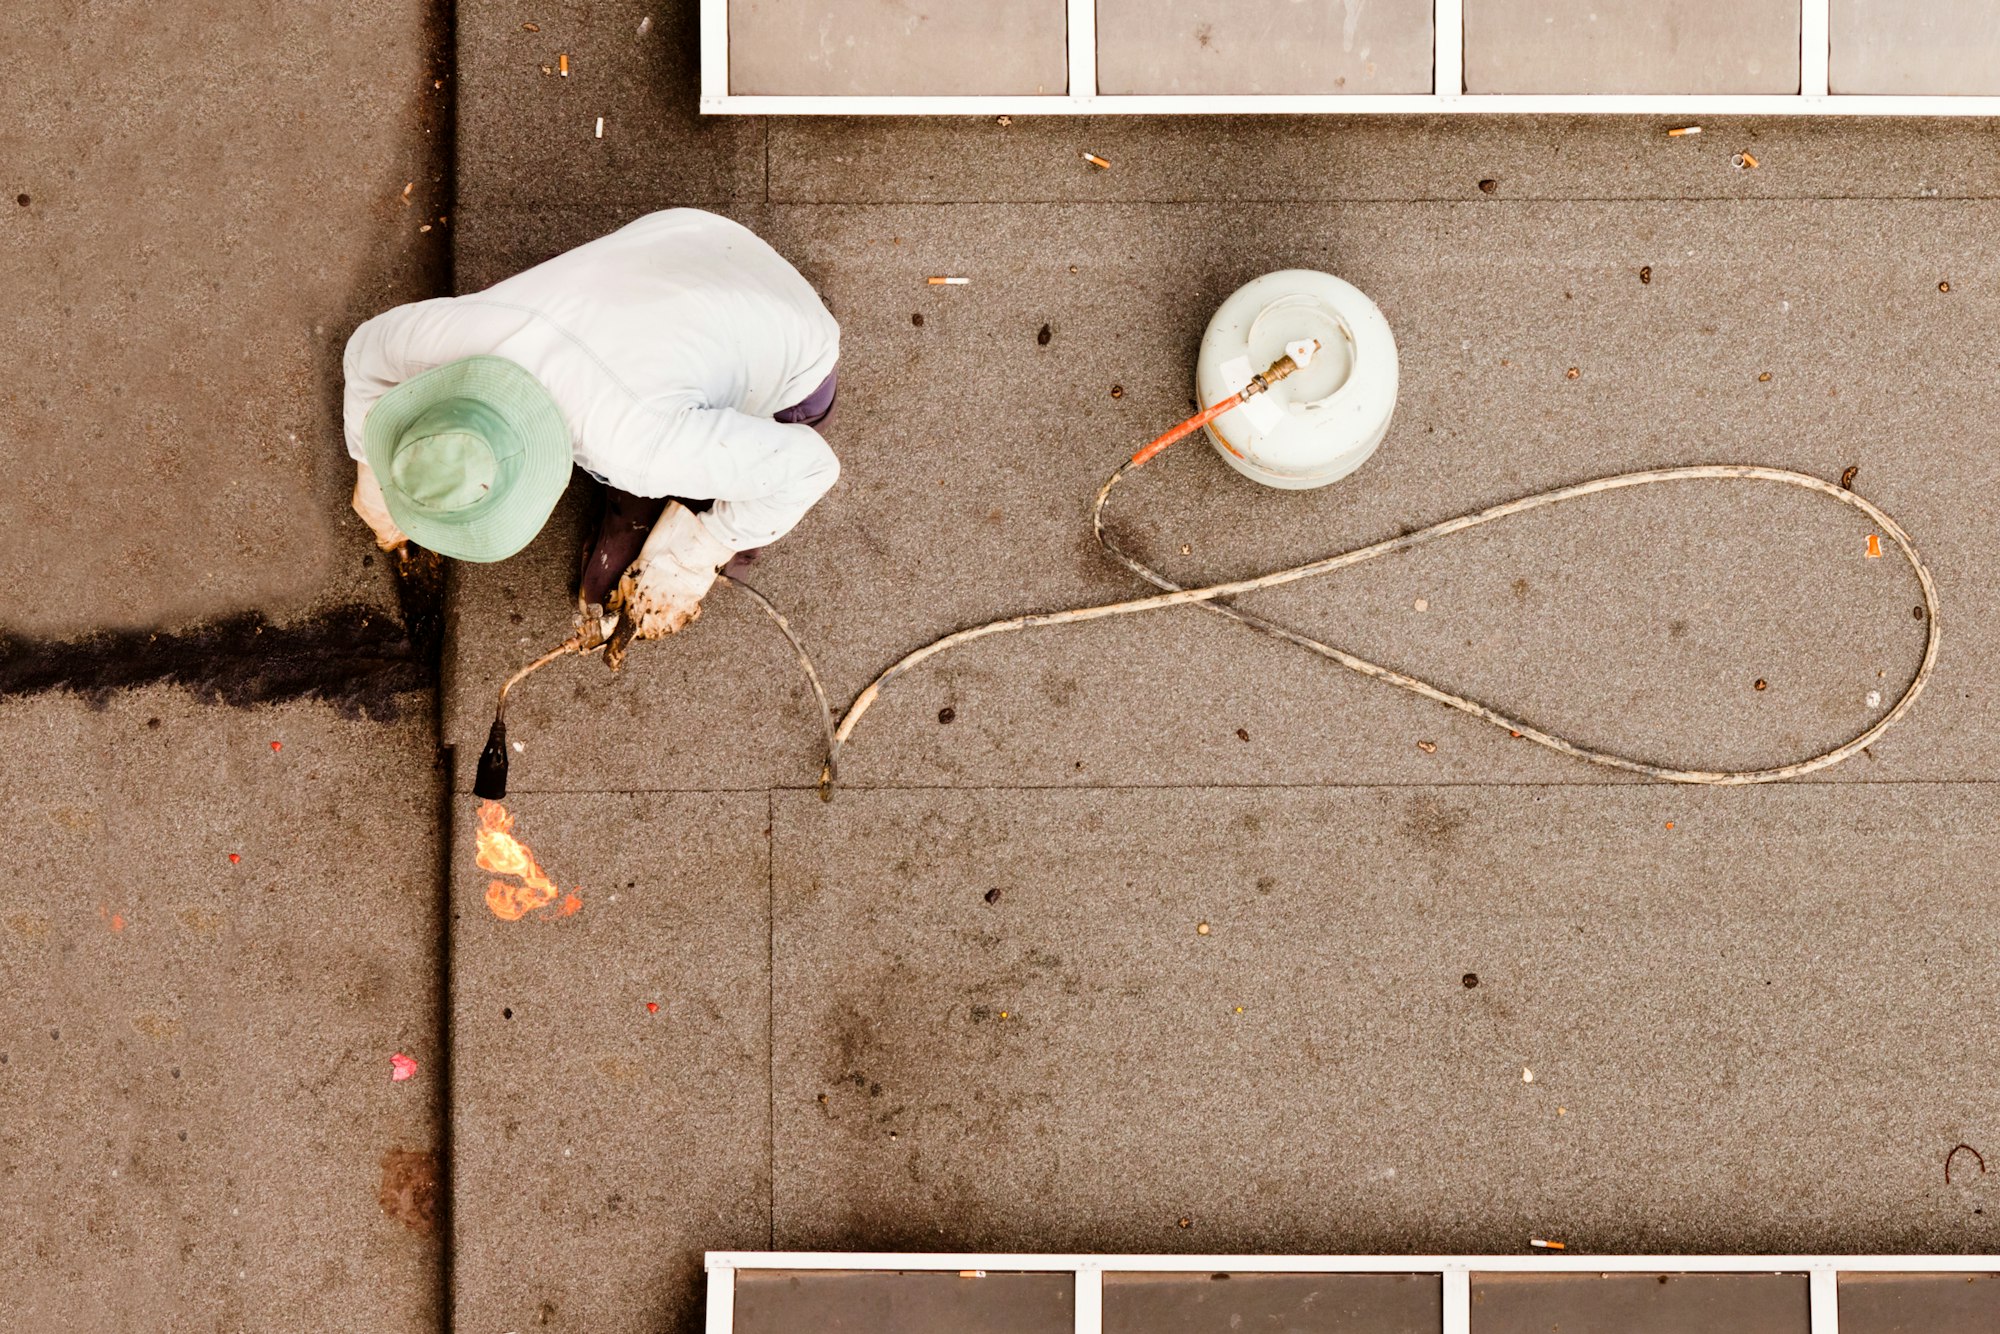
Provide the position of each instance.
(472, 457)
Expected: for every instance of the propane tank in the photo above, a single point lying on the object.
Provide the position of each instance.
(1323, 421)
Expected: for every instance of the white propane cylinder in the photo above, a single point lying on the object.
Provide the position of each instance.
(1322, 422)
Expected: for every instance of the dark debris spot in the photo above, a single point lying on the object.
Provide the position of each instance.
(409, 1189)
(1044, 335)
(152, 722)
(368, 561)
(1489, 185)
(506, 1012)
(1118, 391)
(1470, 980)
(993, 894)
(183, 1136)
(22, 200)
(917, 318)
(1917, 612)
(947, 714)
(1761, 684)
(1645, 273)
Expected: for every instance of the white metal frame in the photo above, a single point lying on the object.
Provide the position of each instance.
(1822, 1272)
(1446, 95)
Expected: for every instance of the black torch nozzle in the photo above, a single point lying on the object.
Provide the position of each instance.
(491, 781)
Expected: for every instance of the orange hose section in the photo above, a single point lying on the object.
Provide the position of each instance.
(1194, 423)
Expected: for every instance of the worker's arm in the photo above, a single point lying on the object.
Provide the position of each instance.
(378, 358)
(374, 510)
(388, 350)
(763, 475)
(409, 340)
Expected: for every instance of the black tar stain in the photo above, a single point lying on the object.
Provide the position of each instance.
(356, 658)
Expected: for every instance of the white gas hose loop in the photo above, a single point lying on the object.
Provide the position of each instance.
(1174, 595)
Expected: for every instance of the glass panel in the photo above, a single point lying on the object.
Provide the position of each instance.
(800, 1301)
(1287, 1303)
(861, 48)
(1919, 1303)
(1625, 46)
(1641, 1304)
(1914, 46)
(1256, 46)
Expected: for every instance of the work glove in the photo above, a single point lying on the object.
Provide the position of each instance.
(594, 623)
(662, 590)
(374, 510)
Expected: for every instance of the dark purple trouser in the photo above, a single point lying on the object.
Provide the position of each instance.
(624, 520)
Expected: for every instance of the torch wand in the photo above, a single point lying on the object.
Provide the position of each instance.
(490, 782)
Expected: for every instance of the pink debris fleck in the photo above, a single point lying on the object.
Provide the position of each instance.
(234, 858)
(401, 1068)
(652, 1007)
(277, 745)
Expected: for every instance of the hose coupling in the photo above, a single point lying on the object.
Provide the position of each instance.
(1295, 358)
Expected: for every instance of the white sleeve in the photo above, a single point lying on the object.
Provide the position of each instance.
(763, 475)
(395, 345)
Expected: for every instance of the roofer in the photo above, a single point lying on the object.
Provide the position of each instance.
(680, 361)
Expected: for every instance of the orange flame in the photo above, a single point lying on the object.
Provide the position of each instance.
(503, 854)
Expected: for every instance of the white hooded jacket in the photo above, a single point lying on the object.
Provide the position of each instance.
(668, 345)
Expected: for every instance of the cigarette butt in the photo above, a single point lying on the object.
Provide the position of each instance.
(1546, 1245)
(562, 64)
(1874, 547)
(1746, 162)
(1683, 130)
(948, 282)
(1096, 161)
(600, 127)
